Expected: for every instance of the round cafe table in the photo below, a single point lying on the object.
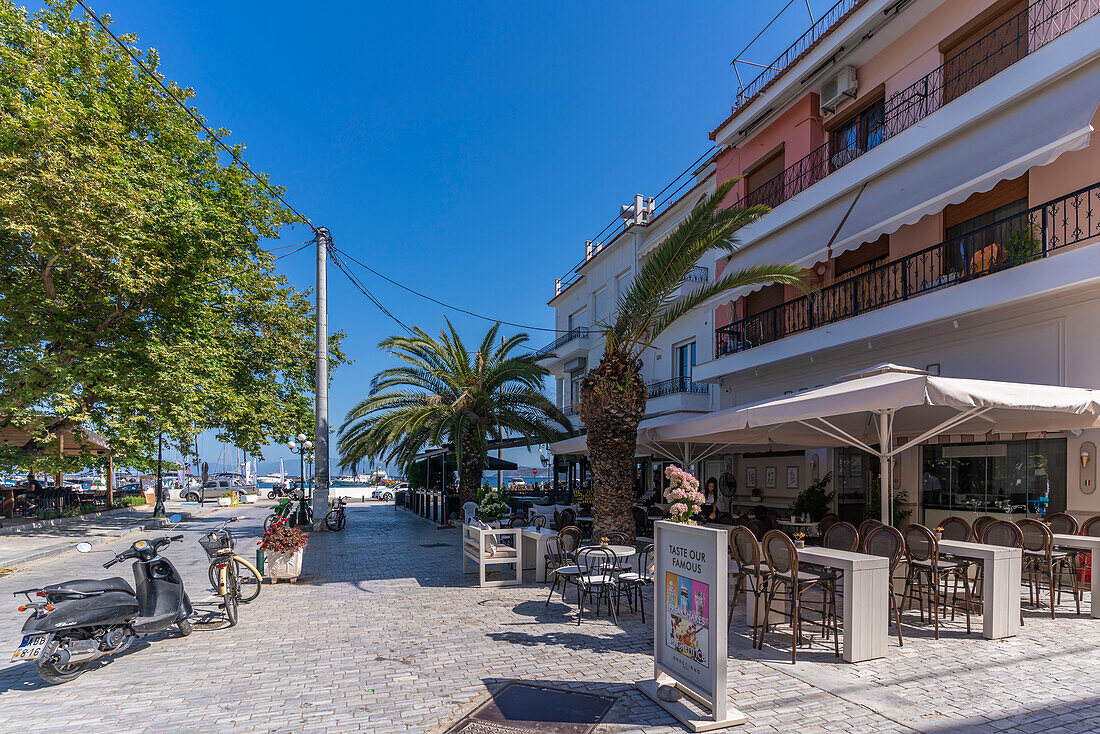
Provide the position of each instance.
(620, 551)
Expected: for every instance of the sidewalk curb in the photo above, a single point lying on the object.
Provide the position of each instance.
(59, 521)
(101, 540)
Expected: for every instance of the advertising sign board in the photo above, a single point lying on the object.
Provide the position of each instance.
(690, 587)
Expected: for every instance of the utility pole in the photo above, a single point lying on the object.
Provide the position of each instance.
(320, 433)
(158, 506)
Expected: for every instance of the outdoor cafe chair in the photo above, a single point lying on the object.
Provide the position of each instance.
(641, 521)
(539, 522)
(978, 527)
(789, 581)
(887, 542)
(1091, 527)
(841, 536)
(559, 567)
(597, 578)
(757, 527)
(1041, 562)
(1002, 533)
(866, 527)
(751, 575)
(956, 528)
(1063, 523)
(571, 538)
(566, 518)
(825, 523)
(633, 582)
(928, 573)
(617, 538)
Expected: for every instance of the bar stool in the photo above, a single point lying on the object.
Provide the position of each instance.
(745, 550)
(789, 580)
(922, 553)
(1004, 534)
(956, 528)
(1042, 561)
(887, 542)
(841, 536)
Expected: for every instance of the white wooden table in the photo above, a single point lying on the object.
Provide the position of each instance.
(1087, 543)
(534, 550)
(865, 601)
(1000, 584)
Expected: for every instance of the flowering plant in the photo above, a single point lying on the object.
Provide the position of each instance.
(683, 492)
(281, 538)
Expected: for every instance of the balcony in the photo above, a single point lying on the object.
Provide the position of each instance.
(1037, 233)
(677, 385)
(698, 274)
(1023, 33)
(581, 332)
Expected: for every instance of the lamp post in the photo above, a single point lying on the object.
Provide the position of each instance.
(302, 448)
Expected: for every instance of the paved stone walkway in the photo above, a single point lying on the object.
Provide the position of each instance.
(385, 635)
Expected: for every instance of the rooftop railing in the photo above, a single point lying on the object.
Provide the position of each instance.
(698, 274)
(1036, 233)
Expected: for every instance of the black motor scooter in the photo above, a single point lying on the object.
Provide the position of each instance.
(78, 621)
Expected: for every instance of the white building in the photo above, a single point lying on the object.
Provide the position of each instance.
(931, 164)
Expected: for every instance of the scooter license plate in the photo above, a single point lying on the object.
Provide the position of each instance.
(32, 647)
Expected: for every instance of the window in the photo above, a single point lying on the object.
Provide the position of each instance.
(989, 44)
(990, 222)
(765, 181)
(859, 135)
(685, 360)
(1009, 477)
(599, 309)
(576, 319)
(622, 282)
(575, 387)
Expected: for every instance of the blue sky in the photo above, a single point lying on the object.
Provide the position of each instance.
(468, 149)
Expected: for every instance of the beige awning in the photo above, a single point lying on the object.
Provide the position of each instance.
(869, 410)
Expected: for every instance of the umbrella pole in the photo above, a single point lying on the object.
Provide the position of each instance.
(884, 466)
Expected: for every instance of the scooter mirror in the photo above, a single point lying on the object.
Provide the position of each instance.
(84, 547)
(175, 518)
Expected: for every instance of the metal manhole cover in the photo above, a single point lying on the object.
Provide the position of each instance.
(435, 545)
(521, 708)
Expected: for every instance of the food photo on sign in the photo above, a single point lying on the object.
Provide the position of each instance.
(687, 604)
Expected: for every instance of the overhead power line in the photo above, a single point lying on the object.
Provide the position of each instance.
(192, 114)
(338, 262)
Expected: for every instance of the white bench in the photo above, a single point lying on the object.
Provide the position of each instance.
(482, 547)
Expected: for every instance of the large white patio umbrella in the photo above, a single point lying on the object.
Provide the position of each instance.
(876, 407)
(685, 452)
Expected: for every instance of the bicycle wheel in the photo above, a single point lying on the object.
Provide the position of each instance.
(232, 593)
(269, 521)
(248, 579)
(332, 520)
(343, 521)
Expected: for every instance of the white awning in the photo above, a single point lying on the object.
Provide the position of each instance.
(998, 131)
(579, 444)
(874, 407)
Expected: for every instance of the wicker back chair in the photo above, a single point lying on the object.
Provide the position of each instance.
(571, 537)
(567, 518)
(745, 551)
(1043, 562)
(757, 527)
(866, 526)
(539, 522)
(978, 527)
(1091, 527)
(616, 538)
(788, 580)
(1003, 533)
(825, 523)
(887, 542)
(956, 528)
(841, 536)
(1063, 523)
(928, 573)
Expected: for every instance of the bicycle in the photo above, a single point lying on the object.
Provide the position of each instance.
(282, 510)
(336, 518)
(228, 572)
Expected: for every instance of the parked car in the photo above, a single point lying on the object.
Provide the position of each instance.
(386, 494)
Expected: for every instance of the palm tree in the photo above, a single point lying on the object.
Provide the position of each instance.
(444, 394)
(613, 395)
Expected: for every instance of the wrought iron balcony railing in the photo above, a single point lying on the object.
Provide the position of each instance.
(677, 385)
(1036, 233)
(1027, 31)
(581, 332)
(698, 274)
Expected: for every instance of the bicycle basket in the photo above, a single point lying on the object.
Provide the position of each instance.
(214, 543)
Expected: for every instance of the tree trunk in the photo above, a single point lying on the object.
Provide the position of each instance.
(613, 398)
(469, 472)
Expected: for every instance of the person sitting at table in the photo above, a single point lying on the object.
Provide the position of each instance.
(33, 485)
(709, 510)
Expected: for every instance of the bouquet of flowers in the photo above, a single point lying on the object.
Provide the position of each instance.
(683, 492)
(281, 538)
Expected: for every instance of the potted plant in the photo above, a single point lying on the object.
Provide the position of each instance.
(814, 500)
(492, 505)
(226, 500)
(683, 492)
(282, 547)
(251, 498)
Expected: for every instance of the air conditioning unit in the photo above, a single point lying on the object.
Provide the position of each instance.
(839, 87)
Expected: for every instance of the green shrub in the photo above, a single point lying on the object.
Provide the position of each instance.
(123, 502)
(814, 499)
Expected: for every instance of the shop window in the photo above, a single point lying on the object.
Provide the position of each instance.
(1005, 479)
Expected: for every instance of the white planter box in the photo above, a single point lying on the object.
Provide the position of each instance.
(225, 502)
(283, 565)
(251, 499)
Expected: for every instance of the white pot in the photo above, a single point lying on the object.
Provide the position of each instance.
(283, 565)
(755, 498)
(251, 498)
(225, 502)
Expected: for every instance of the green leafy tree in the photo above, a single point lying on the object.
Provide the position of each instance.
(613, 394)
(446, 394)
(134, 294)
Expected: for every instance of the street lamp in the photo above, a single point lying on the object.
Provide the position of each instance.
(302, 448)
